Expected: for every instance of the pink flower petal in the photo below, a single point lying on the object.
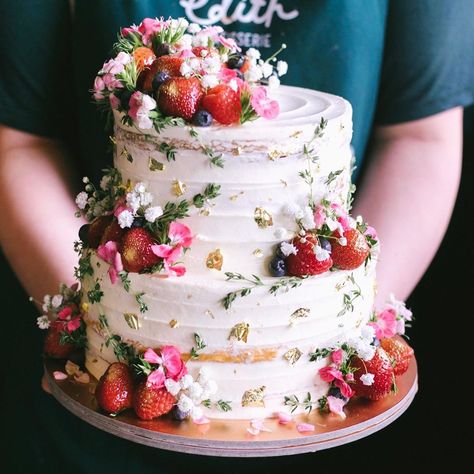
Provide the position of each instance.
(336, 406)
(113, 275)
(58, 375)
(186, 53)
(305, 427)
(346, 389)
(73, 324)
(152, 357)
(162, 250)
(180, 234)
(201, 421)
(156, 379)
(257, 424)
(65, 313)
(337, 356)
(329, 373)
(253, 431)
(284, 418)
(118, 262)
(178, 270)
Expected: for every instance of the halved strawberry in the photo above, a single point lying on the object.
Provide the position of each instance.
(381, 368)
(305, 261)
(150, 402)
(351, 255)
(198, 51)
(52, 345)
(143, 57)
(399, 352)
(96, 230)
(223, 103)
(114, 392)
(136, 252)
(112, 232)
(169, 64)
(180, 97)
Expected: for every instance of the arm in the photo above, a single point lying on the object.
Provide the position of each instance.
(37, 208)
(408, 195)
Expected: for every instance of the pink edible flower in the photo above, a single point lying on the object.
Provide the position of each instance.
(175, 367)
(345, 388)
(99, 86)
(201, 421)
(319, 216)
(337, 356)
(186, 53)
(111, 82)
(120, 207)
(329, 373)
(229, 43)
(386, 324)
(140, 107)
(212, 32)
(109, 253)
(256, 426)
(226, 75)
(65, 313)
(263, 105)
(371, 232)
(58, 375)
(342, 216)
(114, 101)
(284, 418)
(152, 357)
(305, 427)
(149, 26)
(73, 324)
(336, 406)
(156, 378)
(130, 29)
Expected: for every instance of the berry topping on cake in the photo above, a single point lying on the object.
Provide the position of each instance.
(399, 352)
(112, 232)
(160, 78)
(277, 267)
(136, 251)
(143, 57)
(114, 391)
(96, 230)
(202, 118)
(180, 97)
(150, 402)
(373, 379)
(305, 260)
(223, 103)
(350, 251)
(169, 65)
(54, 344)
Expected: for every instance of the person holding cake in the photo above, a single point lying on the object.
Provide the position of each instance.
(50, 131)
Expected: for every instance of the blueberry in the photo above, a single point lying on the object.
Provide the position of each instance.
(84, 233)
(236, 61)
(279, 254)
(336, 392)
(159, 79)
(325, 244)
(138, 222)
(125, 98)
(202, 118)
(162, 49)
(277, 267)
(178, 414)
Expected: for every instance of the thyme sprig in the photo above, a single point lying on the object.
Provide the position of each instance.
(169, 151)
(349, 298)
(215, 159)
(294, 402)
(123, 351)
(199, 345)
(210, 192)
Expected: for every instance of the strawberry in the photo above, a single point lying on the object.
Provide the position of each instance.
(150, 402)
(381, 367)
(223, 103)
(169, 64)
(198, 51)
(143, 57)
(136, 252)
(112, 232)
(52, 345)
(305, 261)
(399, 352)
(351, 255)
(180, 97)
(114, 392)
(96, 230)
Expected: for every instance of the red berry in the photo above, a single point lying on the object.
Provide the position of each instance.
(381, 367)
(351, 255)
(52, 345)
(96, 230)
(169, 64)
(305, 261)
(150, 402)
(143, 57)
(197, 51)
(114, 392)
(223, 103)
(136, 250)
(399, 352)
(112, 232)
(180, 97)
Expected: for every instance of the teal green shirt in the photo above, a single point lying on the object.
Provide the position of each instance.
(394, 61)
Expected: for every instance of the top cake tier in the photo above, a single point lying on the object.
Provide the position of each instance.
(258, 166)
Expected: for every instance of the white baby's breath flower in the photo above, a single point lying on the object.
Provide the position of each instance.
(267, 69)
(133, 201)
(321, 254)
(399, 307)
(195, 391)
(279, 233)
(201, 40)
(56, 301)
(104, 182)
(288, 249)
(282, 68)
(186, 381)
(209, 80)
(43, 322)
(152, 213)
(367, 333)
(146, 199)
(194, 28)
(204, 374)
(365, 351)
(195, 64)
(254, 73)
(178, 23)
(292, 209)
(224, 58)
(210, 387)
(367, 379)
(253, 53)
(125, 219)
(186, 42)
(307, 219)
(140, 187)
(185, 69)
(81, 200)
(172, 386)
(273, 82)
(342, 241)
(233, 85)
(185, 404)
(196, 413)
(211, 64)
(98, 210)
(85, 179)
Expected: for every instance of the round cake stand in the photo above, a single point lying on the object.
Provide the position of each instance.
(230, 437)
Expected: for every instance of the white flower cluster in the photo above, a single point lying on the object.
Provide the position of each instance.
(363, 343)
(321, 254)
(288, 249)
(304, 215)
(259, 69)
(52, 304)
(139, 202)
(191, 393)
(43, 322)
(402, 312)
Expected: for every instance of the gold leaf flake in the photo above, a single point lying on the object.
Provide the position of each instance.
(132, 320)
(240, 332)
(82, 377)
(296, 134)
(71, 368)
(292, 355)
(275, 154)
(85, 307)
(178, 188)
(234, 197)
(126, 154)
(205, 212)
(112, 140)
(282, 181)
(237, 151)
(155, 165)
(174, 323)
(215, 260)
(254, 397)
(258, 253)
(299, 314)
(263, 218)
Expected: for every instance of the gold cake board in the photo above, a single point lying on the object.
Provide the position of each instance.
(230, 437)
